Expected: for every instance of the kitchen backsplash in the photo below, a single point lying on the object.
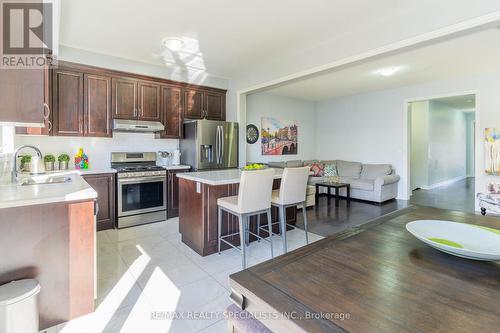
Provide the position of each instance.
(98, 149)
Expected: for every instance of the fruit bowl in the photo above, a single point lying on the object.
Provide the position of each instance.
(254, 167)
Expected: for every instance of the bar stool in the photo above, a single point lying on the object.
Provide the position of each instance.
(254, 198)
(292, 193)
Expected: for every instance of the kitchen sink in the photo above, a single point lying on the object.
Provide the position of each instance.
(49, 180)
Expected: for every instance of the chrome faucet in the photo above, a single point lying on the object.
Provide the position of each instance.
(14, 169)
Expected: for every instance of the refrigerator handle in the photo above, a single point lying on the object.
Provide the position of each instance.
(223, 143)
(217, 146)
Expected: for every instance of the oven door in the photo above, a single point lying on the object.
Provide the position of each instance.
(141, 195)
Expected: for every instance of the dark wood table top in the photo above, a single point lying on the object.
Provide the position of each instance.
(381, 277)
(332, 184)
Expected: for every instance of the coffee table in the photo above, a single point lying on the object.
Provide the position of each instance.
(337, 187)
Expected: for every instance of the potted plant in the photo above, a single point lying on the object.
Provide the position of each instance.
(49, 162)
(25, 163)
(63, 161)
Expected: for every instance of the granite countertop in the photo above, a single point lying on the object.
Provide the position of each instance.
(219, 177)
(15, 195)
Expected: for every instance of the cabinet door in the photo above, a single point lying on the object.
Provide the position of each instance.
(173, 193)
(97, 106)
(124, 92)
(193, 103)
(171, 106)
(46, 130)
(22, 96)
(67, 103)
(215, 106)
(104, 185)
(149, 101)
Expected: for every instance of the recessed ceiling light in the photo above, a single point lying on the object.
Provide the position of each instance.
(173, 44)
(388, 71)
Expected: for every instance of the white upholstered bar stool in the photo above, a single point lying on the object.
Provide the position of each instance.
(292, 193)
(254, 198)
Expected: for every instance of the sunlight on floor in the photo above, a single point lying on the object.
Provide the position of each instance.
(149, 281)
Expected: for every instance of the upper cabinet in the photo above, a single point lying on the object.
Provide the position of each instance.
(81, 104)
(80, 100)
(149, 101)
(204, 104)
(136, 100)
(124, 98)
(67, 103)
(97, 105)
(23, 96)
(171, 107)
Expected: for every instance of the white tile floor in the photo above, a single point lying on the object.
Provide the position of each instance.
(147, 270)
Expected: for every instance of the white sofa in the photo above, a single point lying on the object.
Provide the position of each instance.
(371, 182)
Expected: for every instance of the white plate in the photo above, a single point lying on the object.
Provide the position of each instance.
(459, 239)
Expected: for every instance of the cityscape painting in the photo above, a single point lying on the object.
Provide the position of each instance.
(279, 137)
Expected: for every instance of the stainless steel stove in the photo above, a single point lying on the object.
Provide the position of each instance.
(141, 189)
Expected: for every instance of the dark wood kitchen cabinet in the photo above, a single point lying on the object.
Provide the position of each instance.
(173, 193)
(124, 98)
(149, 101)
(215, 105)
(171, 111)
(97, 106)
(204, 104)
(22, 95)
(104, 185)
(67, 103)
(193, 103)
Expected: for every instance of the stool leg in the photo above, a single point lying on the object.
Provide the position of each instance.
(304, 213)
(258, 227)
(283, 227)
(246, 221)
(219, 227)
(242, 241)
(270, 226)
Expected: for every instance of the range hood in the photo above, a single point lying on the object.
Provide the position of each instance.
(138, 126)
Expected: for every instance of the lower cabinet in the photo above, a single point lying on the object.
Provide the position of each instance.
(104, 185)
(173, 193)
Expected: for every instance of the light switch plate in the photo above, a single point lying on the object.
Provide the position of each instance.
(198, 187)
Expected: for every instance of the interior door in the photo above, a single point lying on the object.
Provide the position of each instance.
(149, 101)
(124, 103)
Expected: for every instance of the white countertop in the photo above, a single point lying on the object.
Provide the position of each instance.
(14, 195)
(220, 177)
(176, 167)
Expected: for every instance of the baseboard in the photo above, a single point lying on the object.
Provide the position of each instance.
(444, 183)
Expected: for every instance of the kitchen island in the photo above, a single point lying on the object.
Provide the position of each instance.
(47, 233)
(198, 194)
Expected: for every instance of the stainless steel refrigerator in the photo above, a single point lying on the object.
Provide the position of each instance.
(209, 144)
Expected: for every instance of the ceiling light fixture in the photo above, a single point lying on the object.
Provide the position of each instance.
(173, 44)
(388, 71)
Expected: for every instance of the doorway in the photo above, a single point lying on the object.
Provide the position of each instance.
(442, 152)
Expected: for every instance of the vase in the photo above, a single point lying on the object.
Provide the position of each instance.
(49, 166)
(63, 165)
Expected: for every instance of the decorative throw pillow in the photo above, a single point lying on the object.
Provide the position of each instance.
(317, 169)
(330, 171)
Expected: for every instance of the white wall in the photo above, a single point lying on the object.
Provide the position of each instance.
(371, 127)
(419, 144)
(110, 62)
(267, 105)
(99, 149)
(393, 28)
(447, 143)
